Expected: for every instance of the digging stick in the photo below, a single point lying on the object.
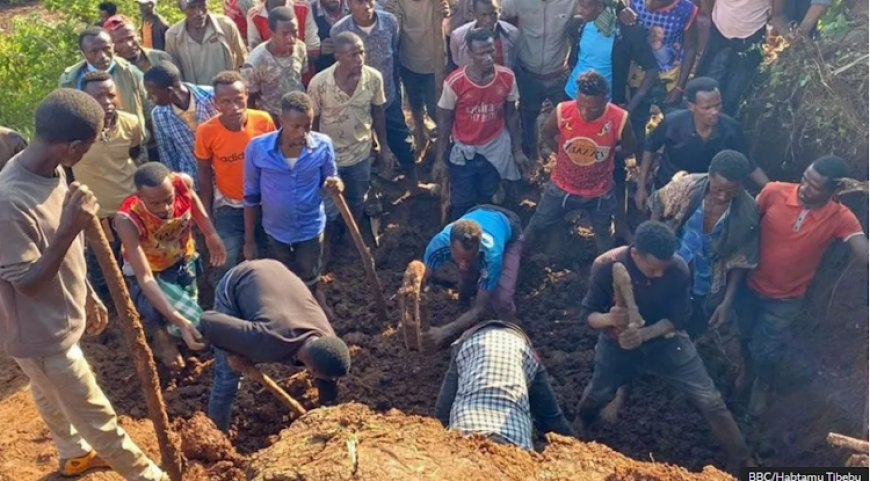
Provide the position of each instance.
(842, 441)
(251, 371)
(440, 45)
(445, 199)
(131, 325)
(409, 302)
(367, 260)
(624, 294)
(440, 66)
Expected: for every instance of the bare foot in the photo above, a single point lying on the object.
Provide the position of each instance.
(579, 428)
(610, 413)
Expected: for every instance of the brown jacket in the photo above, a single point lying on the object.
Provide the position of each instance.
(225, 32)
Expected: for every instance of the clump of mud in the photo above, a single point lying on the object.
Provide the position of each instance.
(352, 442)
(210, 455)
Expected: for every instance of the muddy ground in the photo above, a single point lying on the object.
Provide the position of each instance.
(826, 390)
(350, 442)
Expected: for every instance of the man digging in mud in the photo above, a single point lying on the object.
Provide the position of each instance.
(160, 259)
(485, 244)
(661, 284)
(45, 297)
(495, 385)
(265, 313)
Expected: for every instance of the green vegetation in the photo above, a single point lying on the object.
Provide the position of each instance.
(40, 47)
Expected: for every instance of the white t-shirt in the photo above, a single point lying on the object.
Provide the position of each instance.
(741, 18)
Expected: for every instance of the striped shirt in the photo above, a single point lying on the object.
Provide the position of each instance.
(175, 139)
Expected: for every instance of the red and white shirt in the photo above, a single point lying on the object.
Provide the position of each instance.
(585, 163)
(478, 109)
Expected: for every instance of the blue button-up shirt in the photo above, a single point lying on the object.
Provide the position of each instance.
(696, 249)
(290, 197)
(381, 45)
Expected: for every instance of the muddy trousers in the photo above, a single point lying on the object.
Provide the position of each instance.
(555, 203)
(765, 332)
(79, 416)
(674, 360)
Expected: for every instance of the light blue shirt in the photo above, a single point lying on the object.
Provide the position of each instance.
(497, 233)
(595, 53)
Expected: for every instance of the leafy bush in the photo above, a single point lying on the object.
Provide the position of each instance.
(39, 48)
(32, 58)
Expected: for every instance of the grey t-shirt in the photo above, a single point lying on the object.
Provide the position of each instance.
(53, 319)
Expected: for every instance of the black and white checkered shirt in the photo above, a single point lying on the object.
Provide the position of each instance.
(496, 367)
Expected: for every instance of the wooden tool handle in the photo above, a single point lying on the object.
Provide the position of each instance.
(251, 371)
(409, 303)
(367, 260)
(842, 441)
(131, 326)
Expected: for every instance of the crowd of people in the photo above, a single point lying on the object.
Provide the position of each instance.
(238, 131)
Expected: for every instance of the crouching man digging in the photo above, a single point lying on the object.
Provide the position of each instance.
(486, 245)
(661, 284)
(496, 385)
(265, 313)
(160, 259)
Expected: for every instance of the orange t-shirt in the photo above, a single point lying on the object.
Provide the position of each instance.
(225, 150)
(147, 40)
(793, 239)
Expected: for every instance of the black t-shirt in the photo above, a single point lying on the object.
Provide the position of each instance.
(685, 150)
(324, 61)
(263, 312)
(664, 298)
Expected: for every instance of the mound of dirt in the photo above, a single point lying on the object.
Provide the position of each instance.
(352, 442)
(812, 101)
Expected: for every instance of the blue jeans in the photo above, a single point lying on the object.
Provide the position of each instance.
(229, 222)
(765, 330)
(555, 203)
(471, 184)
(356, 180)
(226, 381)
(223, 391)
(673, 360)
